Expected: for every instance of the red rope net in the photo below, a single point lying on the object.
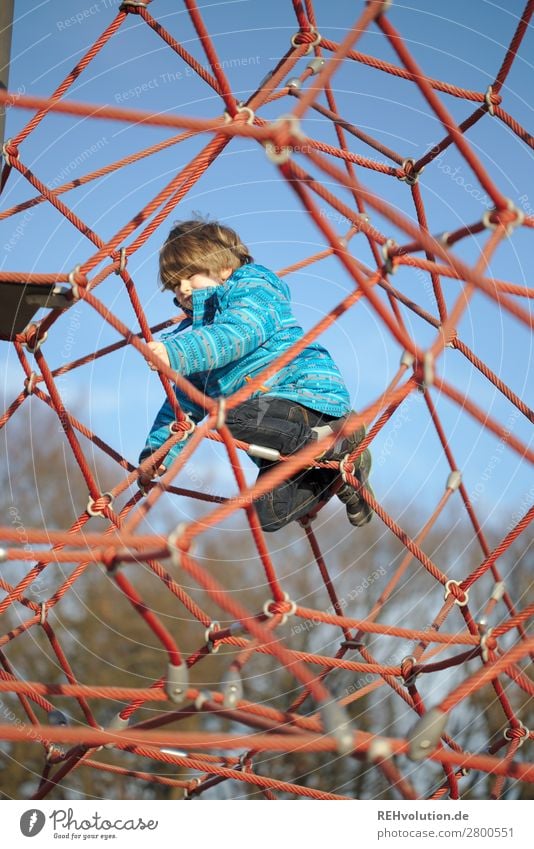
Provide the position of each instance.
(234, 738)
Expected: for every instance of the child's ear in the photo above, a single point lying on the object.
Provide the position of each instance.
(225, 274)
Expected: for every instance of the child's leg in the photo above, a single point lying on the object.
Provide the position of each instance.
(285, 426)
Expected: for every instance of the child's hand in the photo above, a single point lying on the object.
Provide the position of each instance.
(159, 349)
(144, 478)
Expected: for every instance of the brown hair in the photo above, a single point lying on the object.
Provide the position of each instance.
(199, 247)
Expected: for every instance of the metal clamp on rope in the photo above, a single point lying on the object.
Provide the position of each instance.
(379, 750)
(42, 617)
(177, 682)
(172, 544)
(454, 480)
(116, 724)
(426, 733)
(498, 591)
(29, 383)
(386, 5)
(409, 679)
(73, 285)
(344, 471)
(211, 645)
(240, 108)
(269, 613)
(193, 784)
(122, 261)
(231, 687)
(174, 428)
(407, 359)
(136, 4)
(509, 735)
(448, 592)
(90, 509)
(293, 83)
(263, 453)
(410, 175)
(484, 648)
(277, 154)
(315, 65)
(32, 349)
(311, 45)
(511, 225)
(389, 268)
(7, 156)
(336, 724)
(488, 101)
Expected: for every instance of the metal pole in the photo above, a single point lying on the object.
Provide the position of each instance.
(6, 28)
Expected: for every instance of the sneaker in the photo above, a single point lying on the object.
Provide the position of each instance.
(358, 511)
(344, 444)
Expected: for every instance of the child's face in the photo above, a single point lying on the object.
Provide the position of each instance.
(187, 285)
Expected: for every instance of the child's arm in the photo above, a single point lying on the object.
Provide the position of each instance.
(250, 319)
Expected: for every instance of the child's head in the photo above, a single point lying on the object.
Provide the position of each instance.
(200, 247)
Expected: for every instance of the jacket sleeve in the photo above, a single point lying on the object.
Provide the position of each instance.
(249, 320)
(160, 432)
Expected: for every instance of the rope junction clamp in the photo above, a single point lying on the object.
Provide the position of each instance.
(74, 286)
(279, 155)
(174, 551)
(484, 648)
(195, 782)
(410, 175)
(42, 617)
(123, 258)
(29, 383)
(426, 733)
(311, 45)
(498, 591)
(407, 359)
(174, 428)
(90, 509)
(389, 268)
(212, 647)
(336, 724)
(510, 226)
(454, 480)
(269, 613)
(32, 349)
(7, 156)
(386, 5)
(351, 470)
(509, 734)
(379, 750)
(231, 687)
(240, 108)
(3, 555)
(448, 592)
(409, 679)
(488, 101)
(177, 682)
(116, 724)
(136, 4)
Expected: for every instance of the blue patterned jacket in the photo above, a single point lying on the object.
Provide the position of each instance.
(234, 331)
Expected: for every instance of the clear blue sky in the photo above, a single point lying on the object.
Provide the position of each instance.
(462, 43)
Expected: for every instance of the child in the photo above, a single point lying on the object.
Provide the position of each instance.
(239, 320)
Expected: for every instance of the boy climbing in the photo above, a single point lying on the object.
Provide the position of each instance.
(238, 321)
